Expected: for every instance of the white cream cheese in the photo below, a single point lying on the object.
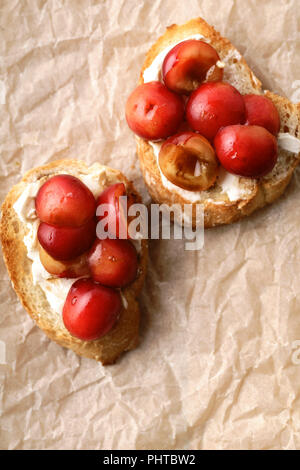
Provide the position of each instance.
(55, 289)
(288, 142)
(228, 182)
(92, 182)
(230, 185)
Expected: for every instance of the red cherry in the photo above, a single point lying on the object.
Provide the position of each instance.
(214, 105)
(91, 310)
(153, 112)
(66, 243)
(113, 262)
(249, 151)
(116, 214)
(260, 111)
(65, 201)
(188, 64)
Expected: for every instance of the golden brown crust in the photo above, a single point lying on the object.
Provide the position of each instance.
(124, 336)
(218, 211)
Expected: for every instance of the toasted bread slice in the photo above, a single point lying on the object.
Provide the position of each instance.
(124, 335)
(220, 207)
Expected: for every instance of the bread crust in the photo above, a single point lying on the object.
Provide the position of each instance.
(125, 334)
(263, 191)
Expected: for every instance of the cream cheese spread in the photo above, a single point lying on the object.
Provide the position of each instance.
(288, 142)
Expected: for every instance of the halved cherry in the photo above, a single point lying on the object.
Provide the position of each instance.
(113, 263)
(91, 310)
(65, 243)
(65, 201)
(189, 161)
(114, 210)
(189, 64)
(77, 267)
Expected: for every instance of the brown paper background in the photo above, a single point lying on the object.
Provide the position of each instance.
(214, 369)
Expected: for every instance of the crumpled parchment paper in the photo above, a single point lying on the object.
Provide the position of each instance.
(218, 365)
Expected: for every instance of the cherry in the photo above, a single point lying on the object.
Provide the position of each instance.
(189, 64)
(260, 111)
(77, 267)
(64, 200)
(214, 105)
(115, 216)
(91, 310)
(249, 151)
(113, 262)
(65, 243)
(153, 112)
(189, 161)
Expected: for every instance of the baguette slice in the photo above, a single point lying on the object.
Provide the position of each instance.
(125, 334)
(219, 208)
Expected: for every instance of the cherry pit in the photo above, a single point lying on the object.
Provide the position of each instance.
(70, 248)
(221, 126)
